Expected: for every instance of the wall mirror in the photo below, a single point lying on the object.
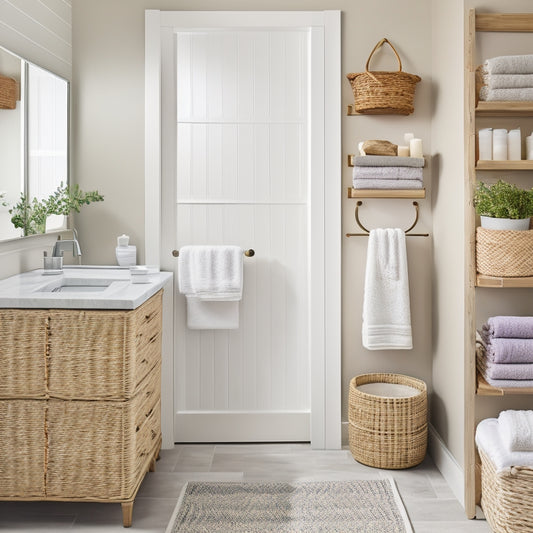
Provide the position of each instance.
(34, 140)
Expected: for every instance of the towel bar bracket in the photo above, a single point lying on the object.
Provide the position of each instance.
(367, 232)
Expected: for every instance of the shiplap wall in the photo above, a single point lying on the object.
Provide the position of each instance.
(39, 31)
(241, 179)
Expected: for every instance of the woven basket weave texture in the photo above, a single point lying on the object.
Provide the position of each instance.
(504, 253)
(9, 93)
(383, 92)
(388, 432)
(507, 497)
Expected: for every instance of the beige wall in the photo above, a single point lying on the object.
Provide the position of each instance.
(39, 32)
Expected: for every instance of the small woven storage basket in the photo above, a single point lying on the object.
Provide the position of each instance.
(507, 497)
(504, 253)
(9, 93)
(388, 432)
(383, 92)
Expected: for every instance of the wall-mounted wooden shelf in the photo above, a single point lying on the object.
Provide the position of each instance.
(351, 160)
(503, 283)
(386, 193)
(484, 389)
(515, 22)
(504, 165)
(504, 109)
(350, 111)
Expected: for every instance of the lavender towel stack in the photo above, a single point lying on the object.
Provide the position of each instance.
(387, 172)
(508, 354)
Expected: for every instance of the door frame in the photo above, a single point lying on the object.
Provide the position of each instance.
(325, 277)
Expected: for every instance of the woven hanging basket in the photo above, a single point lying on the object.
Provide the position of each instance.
(9, 93)
(504, 253)
(382, 92)
(388, 432)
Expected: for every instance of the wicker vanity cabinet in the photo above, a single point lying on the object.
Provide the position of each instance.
(80, 403)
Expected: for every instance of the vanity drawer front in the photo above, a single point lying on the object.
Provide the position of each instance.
(103, 354)
(98, 449)
(22, 448)
(23, 335)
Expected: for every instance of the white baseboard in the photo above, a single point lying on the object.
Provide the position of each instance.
(447, 465)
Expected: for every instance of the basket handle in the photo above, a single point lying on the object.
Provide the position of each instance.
(380, 43)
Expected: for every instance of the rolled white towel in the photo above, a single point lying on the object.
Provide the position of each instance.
(516, 430)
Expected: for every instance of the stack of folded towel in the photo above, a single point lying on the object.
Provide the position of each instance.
(387, 172)
(508, 439)
(507, 78)
(506, 356)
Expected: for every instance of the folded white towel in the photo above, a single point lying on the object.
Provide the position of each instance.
(507, 81)
(388, 173)
(523, 94)
(386, 307)
(211, 272)
(368, 183)
(518, 64)
(489, 440)
(516, 430)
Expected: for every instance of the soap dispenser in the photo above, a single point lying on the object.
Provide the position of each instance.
(126, 253)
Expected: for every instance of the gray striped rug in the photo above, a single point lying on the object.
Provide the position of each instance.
(364, 506)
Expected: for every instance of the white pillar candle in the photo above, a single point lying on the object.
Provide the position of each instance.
(499, 145)
(403, 151)
(407, 138)
(485, 144)
(529, 147)
(415, 148)
(514, 145)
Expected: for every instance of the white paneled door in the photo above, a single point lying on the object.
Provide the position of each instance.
(242, 163)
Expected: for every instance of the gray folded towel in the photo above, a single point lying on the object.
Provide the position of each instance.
(386, 184)
(518, 64)
(388, 173)
(388, 161)
(509, 371)
(512, 327)
(508, 81)
(501, 350)
(523, 94)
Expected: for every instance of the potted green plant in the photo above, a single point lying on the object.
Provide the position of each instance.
(31, 215)
(503, 205)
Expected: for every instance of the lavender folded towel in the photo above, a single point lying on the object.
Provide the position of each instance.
(517, 327)
(388, 173)
(523, 94)
(388, 161)
(481, 361)
(500, 350)
(517, 64)
(509, 371)
(386, 184)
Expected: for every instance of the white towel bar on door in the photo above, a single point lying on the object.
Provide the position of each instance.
(247, 253)
(367, 232)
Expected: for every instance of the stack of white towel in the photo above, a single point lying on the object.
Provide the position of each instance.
(507, 78)
(508, 439)
(387, 172)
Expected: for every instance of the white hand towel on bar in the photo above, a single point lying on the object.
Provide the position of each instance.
(211, 272)
(211, 277)
(386, 307)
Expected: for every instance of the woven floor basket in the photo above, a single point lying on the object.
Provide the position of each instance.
(388, 432)
(504, 253)
(507, 497)
(9, 93)
(383, 92)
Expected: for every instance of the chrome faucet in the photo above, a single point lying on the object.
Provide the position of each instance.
(71, 245)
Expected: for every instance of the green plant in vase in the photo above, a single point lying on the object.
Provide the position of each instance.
(31, 216)
(503, 205)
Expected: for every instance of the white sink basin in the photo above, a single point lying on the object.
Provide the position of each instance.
(86, 287)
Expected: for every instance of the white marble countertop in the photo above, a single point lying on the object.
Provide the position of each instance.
(80, 287)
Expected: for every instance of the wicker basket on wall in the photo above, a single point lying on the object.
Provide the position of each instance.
(383, 92)
(388, 431)
(9, 93)
(504, 253)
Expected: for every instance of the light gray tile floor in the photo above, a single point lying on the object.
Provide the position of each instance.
(429, 501)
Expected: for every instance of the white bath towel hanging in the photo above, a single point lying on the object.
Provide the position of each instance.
(211, 277)
(386, 306)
